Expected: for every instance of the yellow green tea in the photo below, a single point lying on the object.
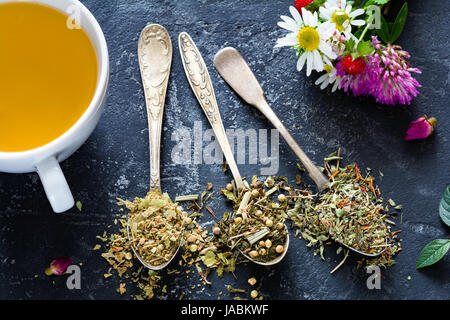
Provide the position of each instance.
(48, 75)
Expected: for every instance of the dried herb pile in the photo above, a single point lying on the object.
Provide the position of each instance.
(256, 227)
(156, 225)
(201, 249)
(351, 212)
(120, 257)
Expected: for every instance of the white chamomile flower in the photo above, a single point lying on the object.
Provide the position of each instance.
(341, 16)
(330, 77)
(310, 37)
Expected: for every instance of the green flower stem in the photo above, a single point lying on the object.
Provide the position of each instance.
(365, 30)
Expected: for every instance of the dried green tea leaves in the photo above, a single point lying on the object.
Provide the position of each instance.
(156, 225)
(256, 226)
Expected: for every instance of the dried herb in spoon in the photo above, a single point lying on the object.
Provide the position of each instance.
(351, 212)
(256, 227)
(156, 226)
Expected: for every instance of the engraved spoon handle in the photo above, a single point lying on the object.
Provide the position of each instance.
(200, 81)
(155, 59)
(235, 71)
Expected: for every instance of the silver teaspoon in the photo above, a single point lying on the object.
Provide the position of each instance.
(155, 59)
(200, 81)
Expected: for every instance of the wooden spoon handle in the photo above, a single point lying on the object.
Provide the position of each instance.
(155, 59)
(235, 71)
(200, 81)
(314, 172)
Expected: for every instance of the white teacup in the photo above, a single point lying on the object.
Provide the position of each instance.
(45, 159)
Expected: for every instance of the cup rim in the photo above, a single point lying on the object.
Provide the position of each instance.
(102, 82)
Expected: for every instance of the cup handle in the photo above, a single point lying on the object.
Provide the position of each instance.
(55, 185)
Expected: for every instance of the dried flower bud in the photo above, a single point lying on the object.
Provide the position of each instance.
(255, 193)
(282, 198)
(254, 294)
(252, 281)
(270, 182)
(58, 266)
(191, 238)
(421, 128)
(253, 254)
(193, 248)
(269, 223)
(229, 187)
(279, 249)
(216, 231)
(268, 243)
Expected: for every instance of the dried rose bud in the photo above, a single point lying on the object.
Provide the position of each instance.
(216, 231)
(58, 266)
(421, 128)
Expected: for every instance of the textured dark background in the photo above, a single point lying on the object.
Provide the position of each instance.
(114, 161)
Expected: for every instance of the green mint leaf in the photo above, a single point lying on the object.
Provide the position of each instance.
(399, 23)
(384, 33)
(433, 252)
(444, 207)
(364, 48)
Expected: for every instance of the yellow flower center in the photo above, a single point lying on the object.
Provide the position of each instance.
(308, 38)
(328, 68)
(339, 17)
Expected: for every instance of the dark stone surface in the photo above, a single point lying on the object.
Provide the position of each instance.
(114, 161)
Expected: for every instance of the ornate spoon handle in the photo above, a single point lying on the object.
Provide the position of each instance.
(198, 77)
(155, 59)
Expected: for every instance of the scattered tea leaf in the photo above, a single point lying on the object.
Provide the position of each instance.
(234, 290)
